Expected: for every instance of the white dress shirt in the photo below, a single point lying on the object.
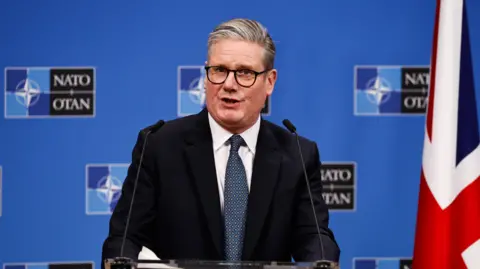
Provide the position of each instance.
(221, 150)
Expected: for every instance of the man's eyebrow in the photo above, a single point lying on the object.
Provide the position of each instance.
(236, 67)
(244, 66)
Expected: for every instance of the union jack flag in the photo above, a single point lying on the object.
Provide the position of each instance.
(448, 220)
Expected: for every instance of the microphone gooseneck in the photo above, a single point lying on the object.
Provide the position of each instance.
(292, 129)
(149, 130)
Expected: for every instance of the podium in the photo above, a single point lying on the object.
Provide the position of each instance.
(202, 264)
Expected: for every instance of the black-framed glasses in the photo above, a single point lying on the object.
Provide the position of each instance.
(244, 77)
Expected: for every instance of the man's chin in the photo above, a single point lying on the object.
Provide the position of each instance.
(230, 117)
(231, 120)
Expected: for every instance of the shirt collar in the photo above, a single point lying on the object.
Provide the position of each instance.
(220, 135)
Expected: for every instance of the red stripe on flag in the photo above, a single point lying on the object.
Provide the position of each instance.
(433, 68)
(443, 235)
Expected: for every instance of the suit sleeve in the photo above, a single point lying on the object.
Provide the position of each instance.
(142, 216)
(306, 244)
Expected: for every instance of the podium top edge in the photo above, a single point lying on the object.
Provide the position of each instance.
(125, 263)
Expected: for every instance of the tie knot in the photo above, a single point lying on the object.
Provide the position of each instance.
(235, 142)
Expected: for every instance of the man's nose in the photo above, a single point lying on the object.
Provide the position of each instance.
(230, 83)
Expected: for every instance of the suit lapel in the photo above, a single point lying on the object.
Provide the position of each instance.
(199, 154)
(266, 168)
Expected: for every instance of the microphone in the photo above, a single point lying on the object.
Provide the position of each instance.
(322, 263)
(123, 262)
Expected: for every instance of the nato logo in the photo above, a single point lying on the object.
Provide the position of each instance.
(50, 265)
(382, 263)
(390, 90)
(191, 93)
(103, 187)
(339, 181)
(49, 92)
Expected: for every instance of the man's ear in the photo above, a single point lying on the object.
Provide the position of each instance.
(271, 80)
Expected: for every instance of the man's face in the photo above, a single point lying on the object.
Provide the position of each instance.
(236, 106)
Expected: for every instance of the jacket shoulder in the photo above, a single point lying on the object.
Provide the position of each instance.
(285, 138)
(178, 126)
(170, 131)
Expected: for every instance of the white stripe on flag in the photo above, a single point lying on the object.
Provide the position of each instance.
(440, 157)
(470, 255)
(466, 173)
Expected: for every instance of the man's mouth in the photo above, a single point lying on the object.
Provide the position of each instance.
(230, 100)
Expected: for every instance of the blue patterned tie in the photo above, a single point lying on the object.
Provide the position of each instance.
(236, 198)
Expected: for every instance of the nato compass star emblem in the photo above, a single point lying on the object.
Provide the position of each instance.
(378, 90)
(27, 92)
(108, 187)
(196, 89)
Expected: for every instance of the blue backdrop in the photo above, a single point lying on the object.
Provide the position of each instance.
(139, 52)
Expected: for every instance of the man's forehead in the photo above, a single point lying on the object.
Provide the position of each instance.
(236, 56)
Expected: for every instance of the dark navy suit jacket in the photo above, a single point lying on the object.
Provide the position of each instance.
(177, 212)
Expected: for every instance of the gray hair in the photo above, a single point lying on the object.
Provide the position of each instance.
(246, 30)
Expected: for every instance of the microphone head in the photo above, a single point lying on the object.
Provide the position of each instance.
(154, 127)
(289, 125)
(157, 126)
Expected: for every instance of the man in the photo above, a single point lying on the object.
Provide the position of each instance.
(225, 184)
